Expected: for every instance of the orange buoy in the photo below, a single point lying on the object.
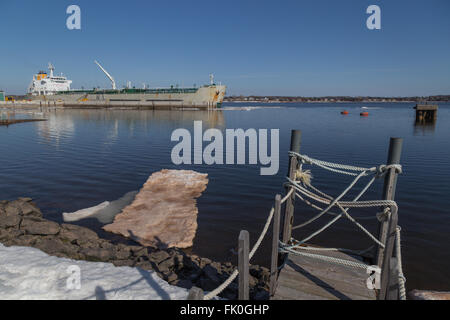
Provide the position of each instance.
(344, 112)
(364, 114)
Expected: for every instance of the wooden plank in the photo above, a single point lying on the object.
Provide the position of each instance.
(308, 278)
(431, 107)
(286, 293)
(322, 292)
(275, 239)
(323, 286)
(243, 265)
(296, 136)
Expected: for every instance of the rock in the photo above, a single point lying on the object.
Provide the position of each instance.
(261, 295)
(188, 263)
(164, 212)
(166, 265)
(146, 265)
(39, 226)
(172, 277)
(207, 284)
(138, 251)
(211, 273)
(185, 283)
(123, 263)
(28, 240)
(12, 210)
(204, 262)
(429, 295)
(54, 246)
(97, 254)
(159, 256)
(8, 234)
(122, 253)
(9, 220)
(25, 199)
(73, 232)
(252, 281)
(29, 210)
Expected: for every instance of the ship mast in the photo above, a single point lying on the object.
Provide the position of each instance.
(51, 68)
(108, 75)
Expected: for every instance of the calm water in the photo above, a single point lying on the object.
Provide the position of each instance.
(78, 159)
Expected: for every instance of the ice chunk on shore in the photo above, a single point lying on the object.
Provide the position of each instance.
(28, 273)
(107, 214)
(84, 213)
(164, 212)
(104, 212)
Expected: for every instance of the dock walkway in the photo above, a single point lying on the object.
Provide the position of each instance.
(304, 278)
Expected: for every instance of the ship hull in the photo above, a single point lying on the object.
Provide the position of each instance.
(204, 97)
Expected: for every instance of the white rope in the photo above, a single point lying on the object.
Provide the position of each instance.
(309, 160)
(287, 196)
(331, 204)
(356, 252)
(339, 168)
(233, 276)
(344, 262)
(401, 277)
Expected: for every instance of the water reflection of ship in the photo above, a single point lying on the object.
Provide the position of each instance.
(61, 125)
(56, 127)
(211, 118)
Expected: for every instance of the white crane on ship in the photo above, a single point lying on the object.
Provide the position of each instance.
(107, 74)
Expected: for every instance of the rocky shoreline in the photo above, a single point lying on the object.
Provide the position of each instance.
(22, 224)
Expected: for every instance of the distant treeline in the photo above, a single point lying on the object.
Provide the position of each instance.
(441, 98)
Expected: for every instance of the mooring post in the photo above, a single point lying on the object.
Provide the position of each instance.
(296, 137)
(275, 239)
(387, 227)
(243, 265)
(195, 294)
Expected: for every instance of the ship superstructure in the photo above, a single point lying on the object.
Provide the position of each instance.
(48, 84)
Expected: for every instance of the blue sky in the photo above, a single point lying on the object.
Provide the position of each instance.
(301, 47)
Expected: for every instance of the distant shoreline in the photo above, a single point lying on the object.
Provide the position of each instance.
(336, 99)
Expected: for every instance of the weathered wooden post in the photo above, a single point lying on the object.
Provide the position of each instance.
(296, 136)
(387, 227)
(275, 239)
(195, 294)
(243, 265)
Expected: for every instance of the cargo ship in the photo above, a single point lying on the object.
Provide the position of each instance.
(50, 88)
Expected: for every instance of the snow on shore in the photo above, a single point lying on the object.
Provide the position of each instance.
(28, 273)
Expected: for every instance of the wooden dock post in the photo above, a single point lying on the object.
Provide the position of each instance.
(243, 265)
(275, 239)
(387, 227)
(296, 137)
(426, 113)
(195, 294)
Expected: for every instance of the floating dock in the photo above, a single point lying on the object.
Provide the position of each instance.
(7, 122)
